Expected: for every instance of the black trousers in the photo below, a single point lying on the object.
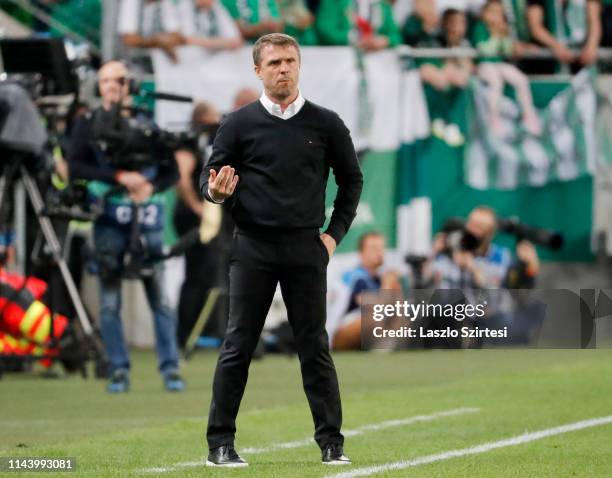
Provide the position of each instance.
(259, 261)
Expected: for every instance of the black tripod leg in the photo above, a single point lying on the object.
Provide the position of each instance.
(5, 181)
(54, 245)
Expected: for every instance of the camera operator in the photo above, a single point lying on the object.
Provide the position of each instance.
(113, 230)
(470, 260)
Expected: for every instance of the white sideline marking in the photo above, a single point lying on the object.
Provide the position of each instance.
(517, 440)
(307, 441)
(367, 428)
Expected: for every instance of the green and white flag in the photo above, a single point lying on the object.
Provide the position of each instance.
(567, 148)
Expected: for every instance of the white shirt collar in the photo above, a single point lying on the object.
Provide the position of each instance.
(275, 109)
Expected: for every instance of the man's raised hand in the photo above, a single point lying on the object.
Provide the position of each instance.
(222, 185)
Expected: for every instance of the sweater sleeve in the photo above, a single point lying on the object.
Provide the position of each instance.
(224, 153)
(347, 174)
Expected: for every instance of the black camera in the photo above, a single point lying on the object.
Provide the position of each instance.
(458, 238)
(136, 142)
(543, 237)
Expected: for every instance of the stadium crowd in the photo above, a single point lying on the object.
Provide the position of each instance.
(496, 28)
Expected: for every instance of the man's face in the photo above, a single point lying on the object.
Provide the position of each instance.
(373, 252)
(113, 83)
(279, 71)
(481, 224)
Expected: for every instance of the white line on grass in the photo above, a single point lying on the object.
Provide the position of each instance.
(307, 441)
(517, 440)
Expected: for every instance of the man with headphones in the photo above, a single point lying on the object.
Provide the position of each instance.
(125, 193)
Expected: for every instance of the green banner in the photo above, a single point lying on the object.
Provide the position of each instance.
(434, 168)
(376, 210)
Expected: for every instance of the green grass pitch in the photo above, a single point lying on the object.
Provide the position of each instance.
(513, 392)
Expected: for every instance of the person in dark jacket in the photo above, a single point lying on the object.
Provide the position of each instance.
(272, 159)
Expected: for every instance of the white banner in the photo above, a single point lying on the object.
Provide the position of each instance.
(329, 77)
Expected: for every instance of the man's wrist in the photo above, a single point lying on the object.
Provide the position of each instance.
(332, 235)
(212, 198)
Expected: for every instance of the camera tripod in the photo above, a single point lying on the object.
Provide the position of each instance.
(91, 347)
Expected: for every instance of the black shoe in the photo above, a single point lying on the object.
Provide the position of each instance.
(225, 456)
(333, 454)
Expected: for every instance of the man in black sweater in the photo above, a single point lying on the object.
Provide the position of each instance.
(272, 159)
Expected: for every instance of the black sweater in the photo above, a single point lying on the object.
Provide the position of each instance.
(283, 167)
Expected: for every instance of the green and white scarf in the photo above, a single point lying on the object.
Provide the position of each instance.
(206, 22)
(571, 21)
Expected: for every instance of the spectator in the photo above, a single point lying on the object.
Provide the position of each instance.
(455, 71)
(208, 24)
(576, 29)
(255, 17)
(454, 28)
(150, 24)
(495, 45)
(368, 24)
(422, 27)
(298, 21)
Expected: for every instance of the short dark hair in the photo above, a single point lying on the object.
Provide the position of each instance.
(448, 13)
(364, 237)
(279, 39)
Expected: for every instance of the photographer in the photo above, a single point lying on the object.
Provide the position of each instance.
(204, 260)
(137, 184)
(466, 263)
(468, 259)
